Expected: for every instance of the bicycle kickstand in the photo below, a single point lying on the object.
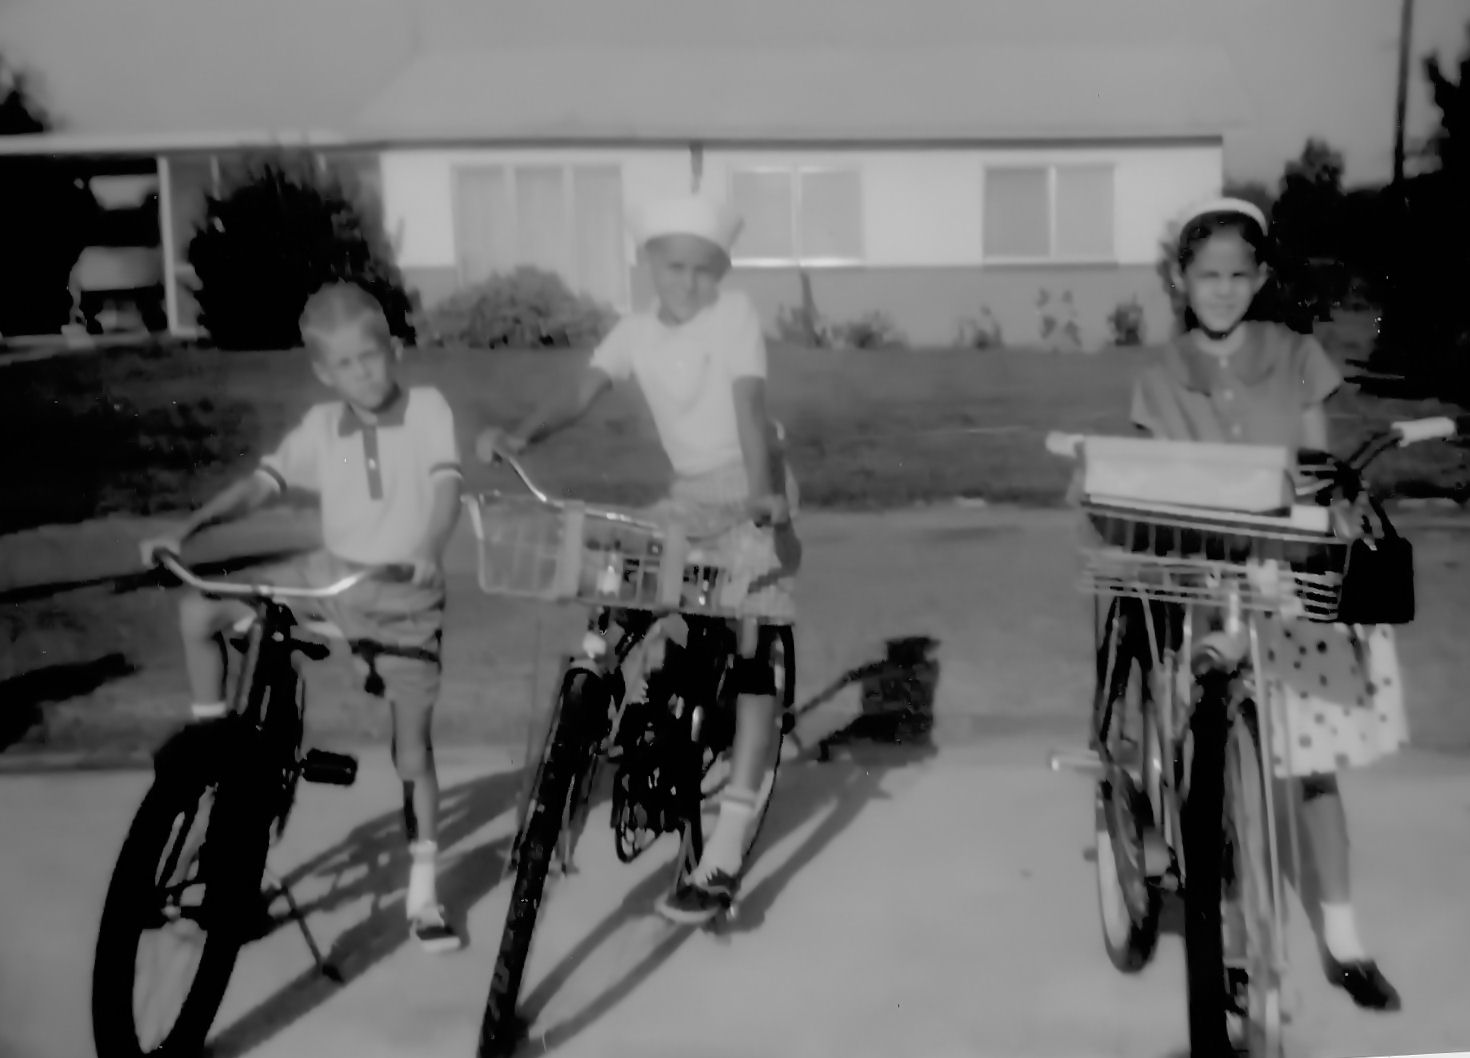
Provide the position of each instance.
(326, 969)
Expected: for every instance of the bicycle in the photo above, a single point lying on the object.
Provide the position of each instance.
(667, 745)
(1183, 804)
(223, 790)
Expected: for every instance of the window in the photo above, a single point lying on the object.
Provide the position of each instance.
(1048, 213)
(798, 215)
(564, 219)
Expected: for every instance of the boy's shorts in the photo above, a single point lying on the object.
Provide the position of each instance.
(395, 630)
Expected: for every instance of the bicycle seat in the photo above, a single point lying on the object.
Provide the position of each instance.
(321, 629)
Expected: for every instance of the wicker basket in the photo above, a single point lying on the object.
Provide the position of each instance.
(570, 552)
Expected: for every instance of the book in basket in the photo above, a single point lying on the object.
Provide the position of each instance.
(1129, 471)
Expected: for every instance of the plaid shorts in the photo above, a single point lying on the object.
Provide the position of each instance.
(395, 631)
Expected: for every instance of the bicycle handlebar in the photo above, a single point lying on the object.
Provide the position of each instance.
(602, 512)
(235, 590)
(1398, 435)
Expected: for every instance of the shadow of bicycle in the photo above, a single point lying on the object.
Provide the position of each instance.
(834, 779)
(374, 857)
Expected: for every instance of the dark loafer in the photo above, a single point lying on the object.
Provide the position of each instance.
(1365, 983)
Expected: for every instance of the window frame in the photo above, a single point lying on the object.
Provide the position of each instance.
(566, 170)
(1051, 257)
(794, 172)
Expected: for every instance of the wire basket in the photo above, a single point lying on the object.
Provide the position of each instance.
(1294, 566)
(574, 553)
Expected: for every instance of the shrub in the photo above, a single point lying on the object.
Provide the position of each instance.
(281, 227)
(872, 330)
(528, 308)
(980, 332)
(1126, 323)
(803, 325)
(1059, 328)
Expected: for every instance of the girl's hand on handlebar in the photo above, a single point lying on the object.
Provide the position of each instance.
(493, 442)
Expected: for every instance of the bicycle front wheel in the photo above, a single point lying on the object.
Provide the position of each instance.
(1251, 969)
(1229, 895)
(180, 899)
(581, 701)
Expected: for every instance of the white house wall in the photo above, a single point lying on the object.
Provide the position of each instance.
(418, 189)
(923, 208)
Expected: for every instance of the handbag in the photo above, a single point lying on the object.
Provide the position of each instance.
(1378, 581)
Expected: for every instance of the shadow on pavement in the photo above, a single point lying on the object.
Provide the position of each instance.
(23, 698)
(893, 731)
(374, 852)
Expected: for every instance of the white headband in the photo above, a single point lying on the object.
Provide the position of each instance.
(689, 215)
(1224, 205)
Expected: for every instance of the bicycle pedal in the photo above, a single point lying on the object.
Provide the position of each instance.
(322, 767)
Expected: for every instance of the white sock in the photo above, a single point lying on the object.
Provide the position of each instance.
(725, 850)
(208, 710)
(1340, 933)
(422, 878)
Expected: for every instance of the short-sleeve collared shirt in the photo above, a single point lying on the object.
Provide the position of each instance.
(686, 373)
(376, 479)
(1254, 396)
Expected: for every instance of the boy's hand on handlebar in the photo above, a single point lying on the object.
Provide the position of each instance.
(422, 572)
(773, 510)
(495, 441)
(150, 549)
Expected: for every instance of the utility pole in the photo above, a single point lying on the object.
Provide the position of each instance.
(1401, 108)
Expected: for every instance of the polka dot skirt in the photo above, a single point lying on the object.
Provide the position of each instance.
(1336, 700)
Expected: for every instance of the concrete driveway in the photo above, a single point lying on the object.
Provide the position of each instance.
(925, 905)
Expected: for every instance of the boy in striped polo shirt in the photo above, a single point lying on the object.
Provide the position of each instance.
(385, 463)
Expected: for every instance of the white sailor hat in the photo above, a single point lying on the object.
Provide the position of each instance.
(696, 214)
(1223, 205)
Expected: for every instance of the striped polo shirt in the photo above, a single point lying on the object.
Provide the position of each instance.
(376, 479)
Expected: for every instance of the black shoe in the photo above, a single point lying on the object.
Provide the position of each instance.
(695, 903)
(1365, 983)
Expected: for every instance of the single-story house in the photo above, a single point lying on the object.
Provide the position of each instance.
(914, 159)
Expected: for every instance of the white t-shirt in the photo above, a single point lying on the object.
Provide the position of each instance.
(687, 372)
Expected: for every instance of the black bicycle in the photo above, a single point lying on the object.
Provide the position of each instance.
(668, 746)
(193, 864)
(1184, 807)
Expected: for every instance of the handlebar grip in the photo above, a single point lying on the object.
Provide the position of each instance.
(1441, 427)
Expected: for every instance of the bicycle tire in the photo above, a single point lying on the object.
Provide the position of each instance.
(235, 866)
(1255, 886)
(1202, 825)
(1129, 901)
(500, 1025)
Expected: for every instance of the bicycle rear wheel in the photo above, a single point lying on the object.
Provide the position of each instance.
(1129, 901)
(579, 704)
(190, 869)
(716, 765)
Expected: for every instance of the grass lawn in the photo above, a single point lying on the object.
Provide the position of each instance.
(91, 656)
(147, 431)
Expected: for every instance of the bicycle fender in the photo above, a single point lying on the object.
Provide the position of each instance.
(200, 752)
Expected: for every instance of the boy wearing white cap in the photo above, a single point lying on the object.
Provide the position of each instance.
(699, 358)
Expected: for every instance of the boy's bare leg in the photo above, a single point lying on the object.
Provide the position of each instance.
(202, 622)
(413, 758)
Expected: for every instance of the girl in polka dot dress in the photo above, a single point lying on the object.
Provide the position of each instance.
(1335, 694)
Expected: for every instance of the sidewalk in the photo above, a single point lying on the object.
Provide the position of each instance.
(932, 907)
